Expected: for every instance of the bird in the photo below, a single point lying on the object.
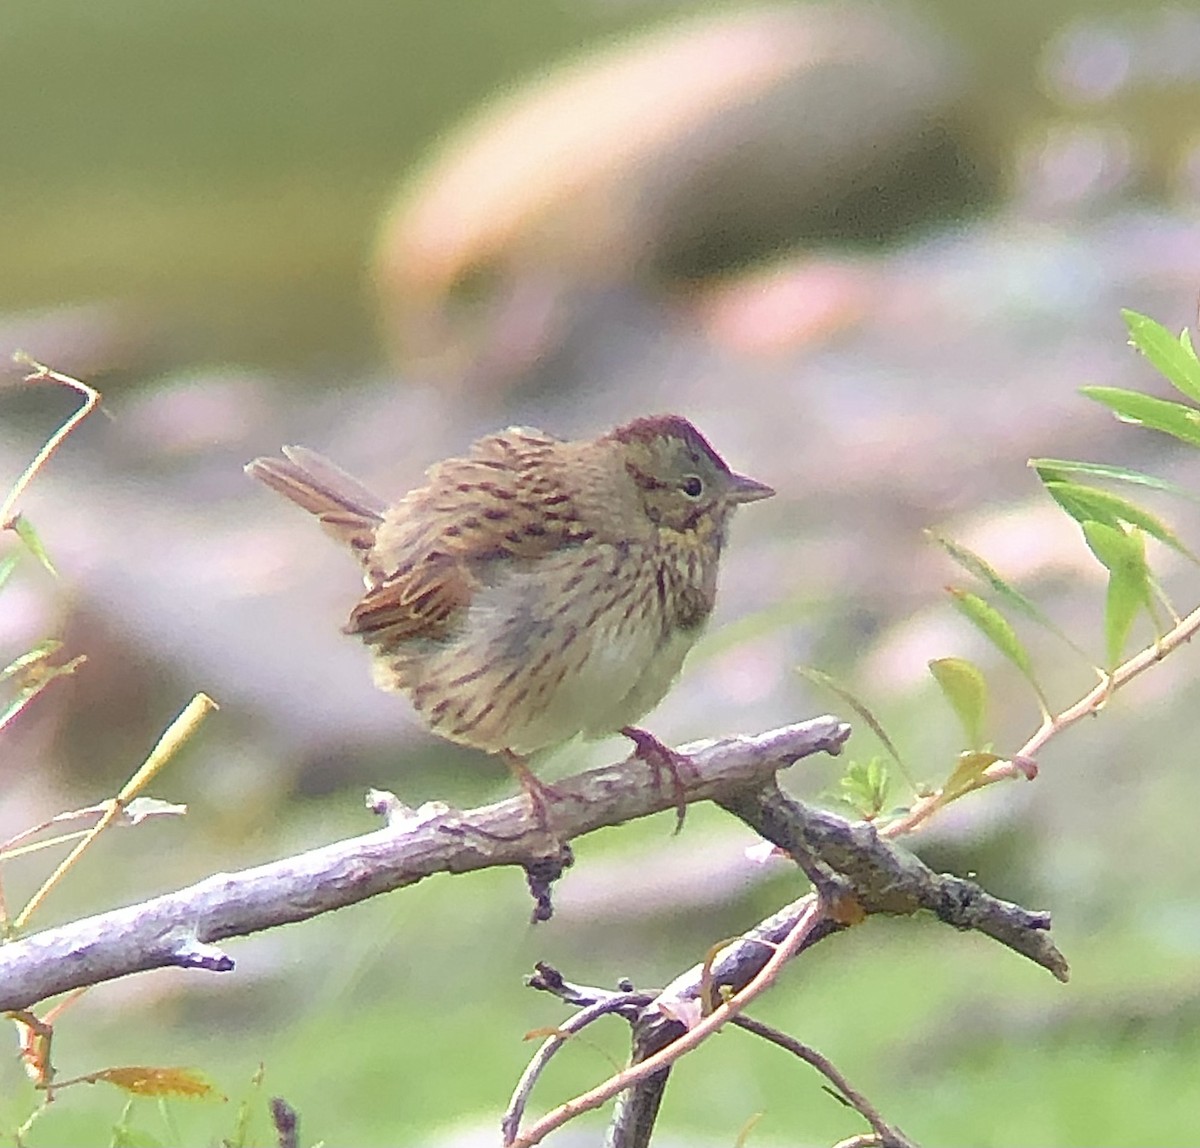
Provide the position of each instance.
(535, 589)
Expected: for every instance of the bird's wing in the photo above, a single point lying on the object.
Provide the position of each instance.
(506, 502)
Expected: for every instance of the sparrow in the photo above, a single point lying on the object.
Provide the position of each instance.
(535, 589)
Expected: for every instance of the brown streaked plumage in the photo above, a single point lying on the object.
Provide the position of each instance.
(536, 588)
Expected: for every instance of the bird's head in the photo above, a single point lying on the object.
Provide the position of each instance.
(683, 484)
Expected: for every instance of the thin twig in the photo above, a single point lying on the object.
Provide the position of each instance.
(1091, 702)
(691, 1039)
(135, 813)
(614, 1003)
(168, 745)
(547, 979)
(41, 373)
(29, 693)
(889, 1135)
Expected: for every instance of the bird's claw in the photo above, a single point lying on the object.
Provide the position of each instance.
(661, 758)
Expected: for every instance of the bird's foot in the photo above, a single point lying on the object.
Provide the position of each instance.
(540, 793)
(661, 758)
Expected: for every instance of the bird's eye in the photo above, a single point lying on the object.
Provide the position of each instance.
(692, 486)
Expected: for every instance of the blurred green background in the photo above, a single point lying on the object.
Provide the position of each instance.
(191, 204)
(224, 168)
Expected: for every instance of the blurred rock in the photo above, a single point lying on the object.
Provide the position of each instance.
(676, 155)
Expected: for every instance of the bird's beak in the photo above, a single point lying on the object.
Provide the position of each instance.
(746, 489)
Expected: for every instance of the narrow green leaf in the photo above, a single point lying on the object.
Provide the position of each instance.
(1049, 474)
(820, 678)
(994, 626)
(1161, 598)
(1056, 469)
(1172, 356)
(7, 565)
(1089, 503)
(32, 657)
(1176, 419)
(966, 690)
(1119, 550)
(37, 682)
(14, 708)
(967, 771)
(27, 534)
(974, 564)
(1079, 507)
(1123, 554)
(1121, 606)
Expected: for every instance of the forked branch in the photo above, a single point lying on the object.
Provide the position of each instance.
(182, 929)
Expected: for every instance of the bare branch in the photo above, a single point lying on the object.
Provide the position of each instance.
(657, 1026)
(180, 929)
(852, 858)
(856, 872)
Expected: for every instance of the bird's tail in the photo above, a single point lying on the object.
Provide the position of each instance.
(347, 510)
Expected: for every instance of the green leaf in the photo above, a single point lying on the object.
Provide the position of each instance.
(1123, 554)
(39, 676)
(966, 690)
(1185, 341)
(994, 626)
(1056, 469)
(974, 564)
(14, 708)
(31, 658)
(1119, 550)
(864, 787)
(1172, 356)
(820, 678)
(1090, 504)
(1122, 604)
(27, 534)
(7, 565)
(1079, 508)
(1176, 419)
(967, 772)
